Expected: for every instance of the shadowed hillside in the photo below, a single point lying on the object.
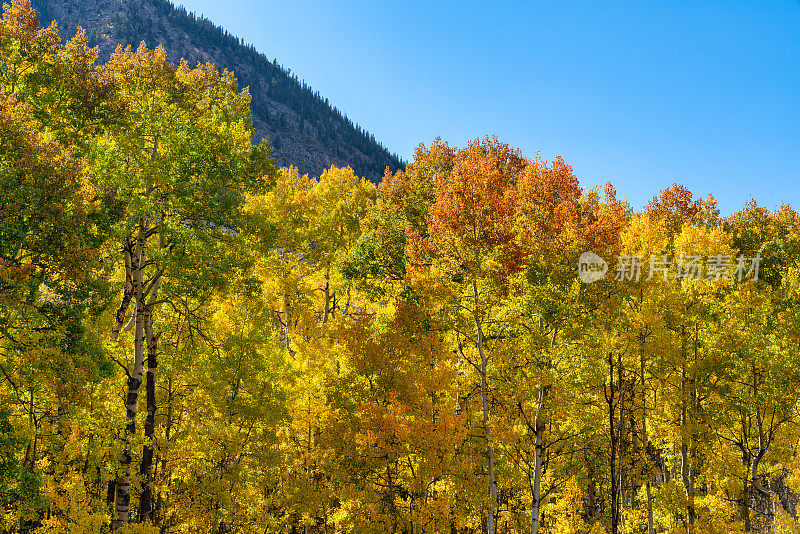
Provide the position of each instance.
(303, 128)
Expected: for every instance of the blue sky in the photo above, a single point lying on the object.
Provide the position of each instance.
(642, 94)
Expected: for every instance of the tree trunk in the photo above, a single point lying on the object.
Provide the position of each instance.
(686, 468)
(615, 434)
(392, 507)
(146, 467)
(490, 517)
(122, 498)
(591, 495)
(745, 506)
(538, 425)
(328, 297)
(127, 294)
(685, 452)
(764, 439)
(646, 441)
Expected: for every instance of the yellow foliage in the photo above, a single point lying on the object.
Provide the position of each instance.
(784, 523)
(666, 501)
(563, 513)
(138, 529)
(644, 236)
(701, 241)
(71, 509)
(716, 515)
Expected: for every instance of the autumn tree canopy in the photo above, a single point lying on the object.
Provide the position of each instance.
(193, 340)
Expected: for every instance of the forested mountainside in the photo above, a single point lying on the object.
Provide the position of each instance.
(303, 128)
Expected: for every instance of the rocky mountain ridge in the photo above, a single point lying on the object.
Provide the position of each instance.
(301, 125)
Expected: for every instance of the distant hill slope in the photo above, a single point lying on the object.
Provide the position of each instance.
(303, 128)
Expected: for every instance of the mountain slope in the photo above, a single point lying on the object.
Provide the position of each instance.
(303, 128)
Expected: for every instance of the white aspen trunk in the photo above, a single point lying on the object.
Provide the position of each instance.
(327, 291)
(645, 443)
(122, 498)
(685, 442)
(763, 445)
(693, 403)
(538, 426)
(127, 293)
(685, 448)
(146, 468)
(490, 518)
(591, 494)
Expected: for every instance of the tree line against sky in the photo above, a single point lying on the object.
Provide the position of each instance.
(194, 340)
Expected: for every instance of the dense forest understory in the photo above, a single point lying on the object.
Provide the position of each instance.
(193, 340)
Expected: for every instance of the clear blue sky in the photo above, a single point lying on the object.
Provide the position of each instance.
(643, 94)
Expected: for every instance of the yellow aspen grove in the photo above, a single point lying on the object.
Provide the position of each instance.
(194, 340)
